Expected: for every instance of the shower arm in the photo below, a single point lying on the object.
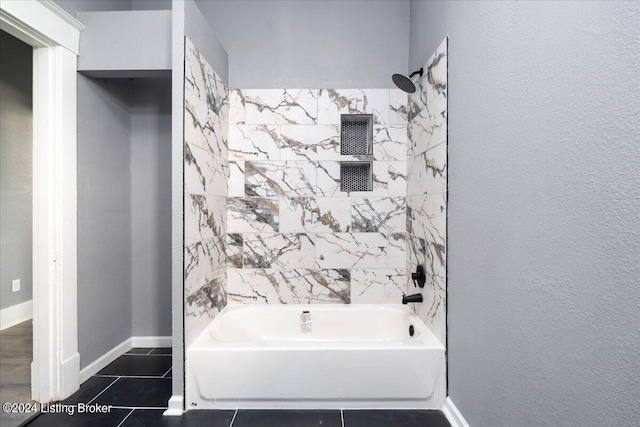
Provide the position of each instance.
(419, 72)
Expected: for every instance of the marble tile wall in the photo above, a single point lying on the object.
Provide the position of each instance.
(206, 171)
(293, 236)
(427, 190)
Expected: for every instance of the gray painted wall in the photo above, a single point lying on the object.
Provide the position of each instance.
(197, 29)
(544, 187)
(311, 44)
(73, 6)
(124, 211)
(16, 155)
(125, 43)
(151, 206)
(151, 4)
(104, 216)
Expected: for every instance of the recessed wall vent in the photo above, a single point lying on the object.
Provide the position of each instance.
(356, 176)
(356, 134)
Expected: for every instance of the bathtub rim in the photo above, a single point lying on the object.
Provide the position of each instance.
(426, 339)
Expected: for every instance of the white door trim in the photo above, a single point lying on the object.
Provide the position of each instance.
(55, 36)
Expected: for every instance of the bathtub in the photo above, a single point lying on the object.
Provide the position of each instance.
(315, 357)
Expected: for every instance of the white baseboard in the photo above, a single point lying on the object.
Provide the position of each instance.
(15, 314)
(119, 350)
(70, 376)
(151, 341)
(100, 363)
(176, 403)
(454, 416)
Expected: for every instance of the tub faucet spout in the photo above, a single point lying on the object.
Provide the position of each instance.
(411, 298)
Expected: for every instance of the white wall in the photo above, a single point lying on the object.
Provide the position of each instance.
(544, 195)
(16, 163)
(311, 44)
(151, 206)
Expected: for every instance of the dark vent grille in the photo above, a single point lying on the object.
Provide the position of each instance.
(356, 134)
(356, 176)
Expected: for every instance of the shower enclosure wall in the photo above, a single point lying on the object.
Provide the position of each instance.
(265, 220)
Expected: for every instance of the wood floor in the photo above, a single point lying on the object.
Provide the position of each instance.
(16, 354)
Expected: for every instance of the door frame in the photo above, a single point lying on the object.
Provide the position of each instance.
(55, 38)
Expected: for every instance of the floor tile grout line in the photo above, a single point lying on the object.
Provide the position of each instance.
(165, 374)
(234, 418)
(150, 351)
(125, 418)
(145, 355)
(157, 408)
(105, 389)
(342, 416)
(134, 376)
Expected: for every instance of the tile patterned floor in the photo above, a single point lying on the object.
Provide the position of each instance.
(138, 385)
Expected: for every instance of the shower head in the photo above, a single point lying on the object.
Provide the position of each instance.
(404, 82)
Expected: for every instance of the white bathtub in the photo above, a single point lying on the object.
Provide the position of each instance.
(349, 356)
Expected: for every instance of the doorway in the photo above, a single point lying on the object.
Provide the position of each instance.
(54, 37)
(16, 194)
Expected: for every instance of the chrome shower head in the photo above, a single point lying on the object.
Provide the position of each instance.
(404, 83)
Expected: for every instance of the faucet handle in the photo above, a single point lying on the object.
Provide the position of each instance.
(419, 277)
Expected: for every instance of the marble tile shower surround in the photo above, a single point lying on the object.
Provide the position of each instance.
(265, 220)
(427, 189)
(293, 236)
(206, 171)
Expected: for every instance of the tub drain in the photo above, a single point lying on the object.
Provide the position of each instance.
(411, 330)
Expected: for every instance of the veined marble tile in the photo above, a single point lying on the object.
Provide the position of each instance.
(397, 178)
(328, 180)
(436, 74)
(195, 72)
(204, 128)
(236, 178)
(276, 250)
(426, 175)
(378, 214)
(209, 299)
(427, 217)
(334, 102)
(433, 258)
(280, 178)
(234, 251)
(204, 217)
(377, 286)
(390, 142)
(250, 286)
(203, 82)
(431, 255)
(281, 106)
(254, 142)
(252, 214)
(201, 261)
(398, 107)
(311, 214)
(204, 173)
(360, 250)
(306, 142)
(427, 129)
(236, 107)
(314, 286)
(433, 309)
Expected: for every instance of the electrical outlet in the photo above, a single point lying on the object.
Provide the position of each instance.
(15, 285)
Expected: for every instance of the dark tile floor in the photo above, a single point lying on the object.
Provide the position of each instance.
(138, 386)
